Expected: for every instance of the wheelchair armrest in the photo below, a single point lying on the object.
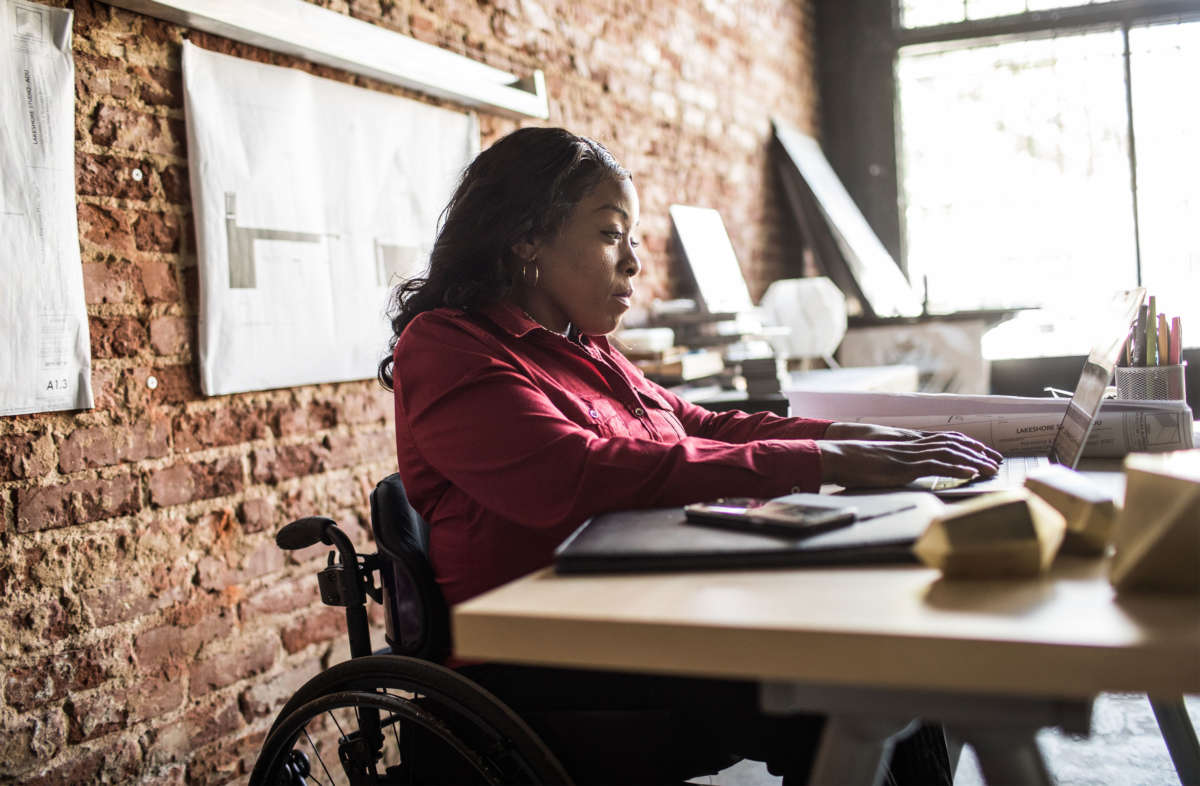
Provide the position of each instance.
(305, 532)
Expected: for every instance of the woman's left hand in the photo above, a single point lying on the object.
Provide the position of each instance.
(875, 433)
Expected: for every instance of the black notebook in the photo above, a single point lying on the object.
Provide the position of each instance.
(660, 539)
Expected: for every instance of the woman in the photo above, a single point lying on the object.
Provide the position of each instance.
(516, 420)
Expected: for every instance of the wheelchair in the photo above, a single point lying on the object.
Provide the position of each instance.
(398, 716)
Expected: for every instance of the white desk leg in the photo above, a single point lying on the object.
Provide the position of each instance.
(855, 749)
(1177, 732)
(954, 747)
(1008, 756)
(863, 721)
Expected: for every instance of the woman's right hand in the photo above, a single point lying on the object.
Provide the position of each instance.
(891, 463)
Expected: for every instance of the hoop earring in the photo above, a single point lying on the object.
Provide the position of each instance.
(537, 273)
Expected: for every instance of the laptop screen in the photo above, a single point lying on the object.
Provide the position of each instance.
(1097, 371)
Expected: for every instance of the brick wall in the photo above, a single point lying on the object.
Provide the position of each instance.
(150, 628)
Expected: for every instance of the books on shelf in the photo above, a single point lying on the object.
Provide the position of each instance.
(679, 365)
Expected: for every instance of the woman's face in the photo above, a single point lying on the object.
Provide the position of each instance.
(585, 273)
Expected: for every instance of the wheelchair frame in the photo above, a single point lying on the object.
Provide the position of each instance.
(412, 720)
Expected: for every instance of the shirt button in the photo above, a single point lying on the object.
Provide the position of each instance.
(639, 411)
(593, 413)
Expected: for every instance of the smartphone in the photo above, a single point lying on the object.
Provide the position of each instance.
(769, 517)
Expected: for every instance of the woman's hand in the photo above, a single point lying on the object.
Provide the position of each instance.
(862, 454)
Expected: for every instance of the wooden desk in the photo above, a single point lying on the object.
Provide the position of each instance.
(888, 626)
(870, 646)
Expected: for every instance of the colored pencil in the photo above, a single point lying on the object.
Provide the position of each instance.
(1151, 334)
(1164, 340)
(1176, 354)
(1139, 337)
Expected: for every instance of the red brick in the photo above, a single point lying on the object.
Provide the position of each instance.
(187, 482)
(104, 446)
(210, 428)
(176, 384)
(76, 502)
(50, 677)
(315, 416)
(16, 746)
(204, 621)
(272, 465)
(316, 627)
(176, 189)
(170, 335)
(157, 232)
(159, 282)
(111, 176)
(266, 698)
(259, 513)
(367, 407)
(26, 455)
(160, 86)
(110, 228)
(282, 598)
(300, 501)
(159, 647)
(44, 563)
(119, 336)
(81, 766)
(94, 715)
(216, 574)
(191, 283)
(246, 659)
(112, 281)
(170, 775)
(168, 648)
(155, 696)
(40, 621)
(118, 128)
(263, 560)
(97, 76)
(107, 391)
(349, 449)
(225, 760)
(117, 601)
(207, 724)
(349, 492)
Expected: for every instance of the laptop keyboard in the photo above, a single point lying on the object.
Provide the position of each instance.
(1011, 474)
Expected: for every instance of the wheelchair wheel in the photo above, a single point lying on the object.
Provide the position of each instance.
(387, 719)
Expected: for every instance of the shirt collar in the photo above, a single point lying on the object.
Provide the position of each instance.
(509, 317)
(513, 320)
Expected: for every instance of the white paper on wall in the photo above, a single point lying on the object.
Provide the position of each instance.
(312, 200)
(45, 360)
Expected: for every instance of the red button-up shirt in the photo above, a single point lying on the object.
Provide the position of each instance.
(509, 436)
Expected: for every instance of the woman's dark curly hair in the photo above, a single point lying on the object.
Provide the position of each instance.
(522, 188)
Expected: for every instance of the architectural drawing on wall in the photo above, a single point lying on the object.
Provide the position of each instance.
(240, 243)
(312, 199)
(395, 263)
(45, 359)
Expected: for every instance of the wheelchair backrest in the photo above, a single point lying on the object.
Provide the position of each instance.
(416, 617)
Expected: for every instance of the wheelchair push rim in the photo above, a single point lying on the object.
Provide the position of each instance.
(404, 698)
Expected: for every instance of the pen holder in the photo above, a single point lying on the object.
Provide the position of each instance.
(1158, 383)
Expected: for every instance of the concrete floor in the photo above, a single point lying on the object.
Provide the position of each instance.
(1124, 749)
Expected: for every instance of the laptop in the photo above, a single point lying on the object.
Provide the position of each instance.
(1072, 432)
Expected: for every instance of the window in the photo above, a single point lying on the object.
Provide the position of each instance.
(1049, 158)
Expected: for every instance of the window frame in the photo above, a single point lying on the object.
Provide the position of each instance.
(859, 43)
